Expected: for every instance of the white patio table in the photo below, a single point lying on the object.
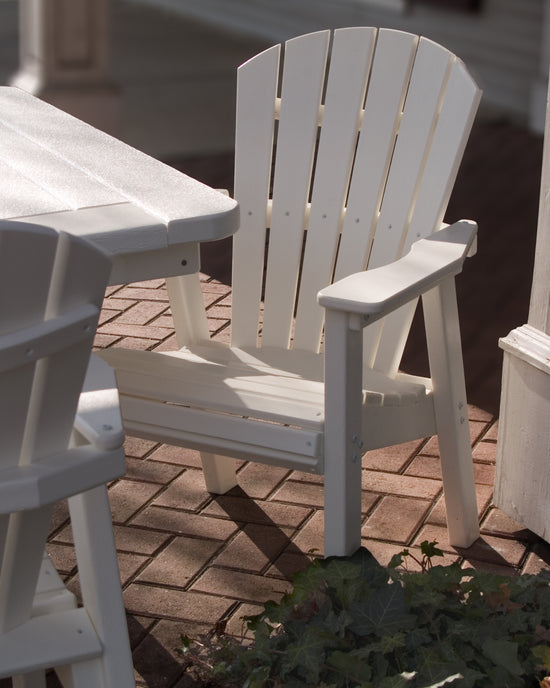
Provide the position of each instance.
(58, 171)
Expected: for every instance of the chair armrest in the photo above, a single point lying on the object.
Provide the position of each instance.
(375, 293)
(98, 414)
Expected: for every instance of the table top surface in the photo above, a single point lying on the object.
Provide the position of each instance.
(59, 171)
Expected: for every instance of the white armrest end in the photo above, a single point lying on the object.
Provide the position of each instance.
(98, 415)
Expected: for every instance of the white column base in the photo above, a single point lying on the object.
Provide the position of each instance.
(522, 482)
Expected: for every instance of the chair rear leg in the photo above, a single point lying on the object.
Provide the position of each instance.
(451, 413)
(219, 472)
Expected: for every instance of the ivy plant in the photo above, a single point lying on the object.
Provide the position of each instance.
(350, 622)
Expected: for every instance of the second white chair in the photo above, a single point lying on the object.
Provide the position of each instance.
(51, 290)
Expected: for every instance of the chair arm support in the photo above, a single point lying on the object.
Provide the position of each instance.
(377, 292)
(98, 414)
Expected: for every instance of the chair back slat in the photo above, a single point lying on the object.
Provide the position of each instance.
(257, 82)
(350, 58)
(455, 119)
(301, 91)
(424, 95)
(458, 108)
(428, 78)
(381, 118)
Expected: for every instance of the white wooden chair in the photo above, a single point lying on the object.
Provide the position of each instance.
(347, 155)
(51, 290)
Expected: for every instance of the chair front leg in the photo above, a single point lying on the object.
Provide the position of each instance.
(220, 472)
(451, 412)
(343, 402)
(100, 584)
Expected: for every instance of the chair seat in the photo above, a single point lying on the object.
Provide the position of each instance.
(267, 384)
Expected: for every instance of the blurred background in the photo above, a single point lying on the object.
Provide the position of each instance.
(161, 75)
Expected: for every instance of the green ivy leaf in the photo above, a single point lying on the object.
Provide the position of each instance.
(504, 654)
(338, 623)
(306, 654)
(351, 578)
(382, 612)
(542, 656)
(349, 666)
(185, 644)
(437, 665)
(304, 582)
(417, 636)
(397, 560)
(499, 676)
(445, 578)
(257, 678)
(430, 549)
(390, 643)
